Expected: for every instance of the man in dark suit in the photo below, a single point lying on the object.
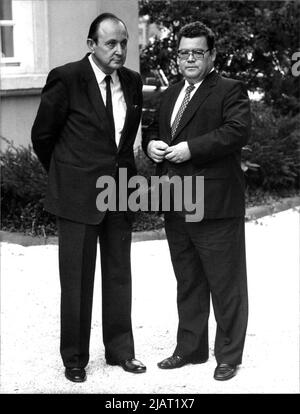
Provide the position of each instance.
(85, 129)
(204, 121)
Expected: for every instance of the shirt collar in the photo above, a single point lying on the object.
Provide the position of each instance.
(100, 75)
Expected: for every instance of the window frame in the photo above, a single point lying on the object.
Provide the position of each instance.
(27, 70)
(11, 60)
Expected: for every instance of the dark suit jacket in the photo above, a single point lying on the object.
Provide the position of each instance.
(72, 138)
(216, 125)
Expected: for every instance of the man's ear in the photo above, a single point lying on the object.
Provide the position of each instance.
(91, 44)
(213, 54)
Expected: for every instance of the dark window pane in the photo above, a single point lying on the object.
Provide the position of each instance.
(7, 41)
(5, 10)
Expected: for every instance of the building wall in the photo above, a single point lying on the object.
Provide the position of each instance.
(65, 33)
(17, 114)
(69, 23)
(75, 18)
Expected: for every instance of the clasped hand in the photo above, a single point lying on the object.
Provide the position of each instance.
(159, 150)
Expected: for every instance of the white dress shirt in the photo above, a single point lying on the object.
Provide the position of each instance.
(117, 97)
(182, 95)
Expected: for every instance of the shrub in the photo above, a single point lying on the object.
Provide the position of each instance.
(23, 185)
(146, 220)
(275, 148)
(144, 165)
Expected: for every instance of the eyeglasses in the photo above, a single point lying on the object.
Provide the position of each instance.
(198, 54)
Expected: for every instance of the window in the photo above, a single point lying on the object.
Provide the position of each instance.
(24, 43)
(6, 29)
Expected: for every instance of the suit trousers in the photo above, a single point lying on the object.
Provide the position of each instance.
(209, 261)
(77, 259)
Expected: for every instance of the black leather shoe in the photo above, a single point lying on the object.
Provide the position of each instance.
(75, 374)
(176, 361)
(224, 372)
(130, 365)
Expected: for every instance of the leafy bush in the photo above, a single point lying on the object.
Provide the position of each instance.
(255, 42)
(144, 165)
(149, 220)
(275, 148)
(23, 185)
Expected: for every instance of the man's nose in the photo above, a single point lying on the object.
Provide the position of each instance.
(191, 57)
(119, 49)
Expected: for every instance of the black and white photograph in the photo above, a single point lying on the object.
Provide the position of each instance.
(150, 199)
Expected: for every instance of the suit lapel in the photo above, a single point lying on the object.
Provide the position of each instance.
(96, 100)
(126, 85)
(197, 100)
(170, 107)
(173, 100)
(93, 92)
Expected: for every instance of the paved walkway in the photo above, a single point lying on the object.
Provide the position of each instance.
(30, 361)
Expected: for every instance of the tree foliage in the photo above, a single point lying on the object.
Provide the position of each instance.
(255, 43)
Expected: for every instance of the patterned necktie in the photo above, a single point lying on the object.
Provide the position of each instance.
(109, 108)
(181, 109)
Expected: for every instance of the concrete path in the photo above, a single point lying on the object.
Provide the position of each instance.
(30, 361)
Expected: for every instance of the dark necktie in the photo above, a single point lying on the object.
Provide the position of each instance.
(181, 109)
(109, 108)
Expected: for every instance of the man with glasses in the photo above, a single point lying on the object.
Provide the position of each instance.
(204, 121)
(85, 129)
